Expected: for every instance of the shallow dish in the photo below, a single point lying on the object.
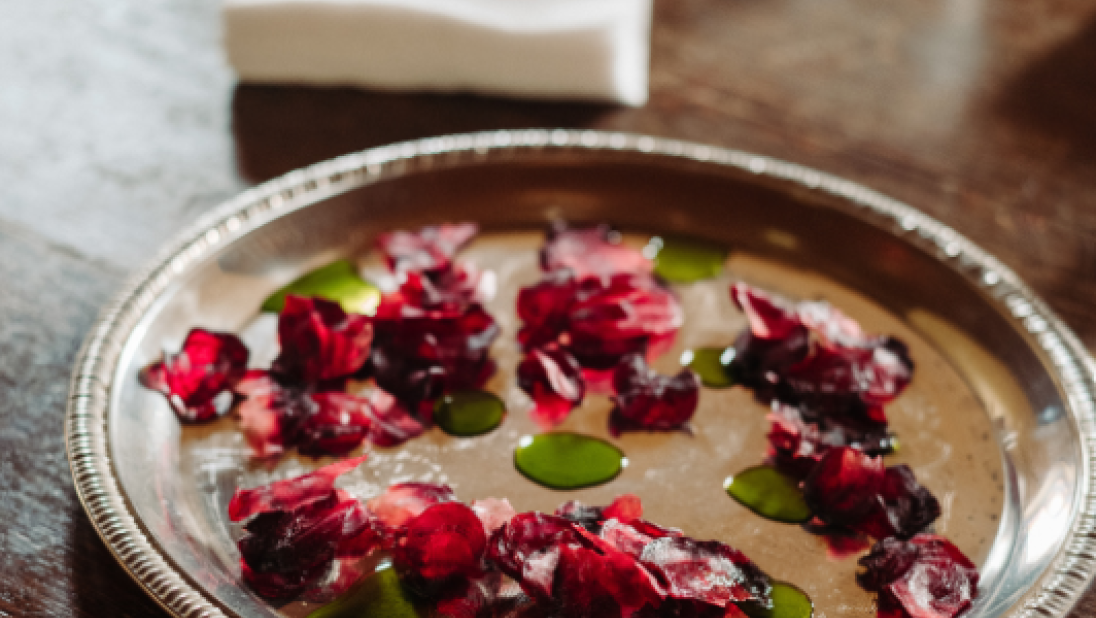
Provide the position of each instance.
(998, 422)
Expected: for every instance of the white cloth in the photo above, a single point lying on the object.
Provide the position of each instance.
(564, 49)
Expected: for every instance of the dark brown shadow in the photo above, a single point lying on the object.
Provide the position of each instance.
(281, 128)
(1056, 95)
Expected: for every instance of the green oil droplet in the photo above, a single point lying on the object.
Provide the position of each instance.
(769, 493)
(378, 596)
(469, 413)
(684, 260)
(788, 602)
(338, 281)
(713, 365)
(562, 460)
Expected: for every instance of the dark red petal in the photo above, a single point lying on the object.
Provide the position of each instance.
(285, 551)
(466, 599)
(707, 571)
(444, 543)
(925, 577)
(429, 249)
(796, 445)
(527, 549)
(419, 355)
(553, 378)
(338, 424)
(282, 585)
(291, 493)
(626, 538)
(842, 488)
(626, 508)
(590, 252)
(767, 319)
(263, 418)
(591, 584)
(624, 306)
(406, 377)
(829, 377)
(493, 513)
(903, 507)
(450, 289)
(760, 363)
(209, 364)
(600, 319)
(543, 308)
(648, 401)
(404, 501)
(392, 422)
(833, 328)
(320, 341)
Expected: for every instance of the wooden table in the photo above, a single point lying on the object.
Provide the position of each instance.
(120, 122)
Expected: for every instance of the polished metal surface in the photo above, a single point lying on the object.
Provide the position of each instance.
(1033, 378)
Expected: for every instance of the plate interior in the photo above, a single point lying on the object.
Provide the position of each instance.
(983, 425)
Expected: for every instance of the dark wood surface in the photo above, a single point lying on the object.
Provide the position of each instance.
(119, 122)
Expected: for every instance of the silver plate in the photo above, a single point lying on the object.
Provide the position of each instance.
(156, 506)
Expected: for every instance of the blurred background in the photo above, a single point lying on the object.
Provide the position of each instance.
(121, 121)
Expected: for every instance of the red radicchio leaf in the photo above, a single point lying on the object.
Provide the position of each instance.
(441, 545)
(796, 445)
(269, 413)
(274, 417)
(760, 363)
(849, 488)
(392, 422)
(592, 584)
(543, 308)
(646, 400)
(590, 252)
(419, 355)
(209, 364)
(291, 493)
(833, 328)
(626, 508)
(466, 599)
(285, 551)
(598, 319)
(830, 377)
(767, 319)
(404, 501)
(493, 513)
(842, 488)
(707, 571)
(925, 577)
(527, 549)
(320, 341)
(450, 289)
(628, 539)
(553, 378)
(338, 425)
(619, 315)
(902, 508)
(430, 249)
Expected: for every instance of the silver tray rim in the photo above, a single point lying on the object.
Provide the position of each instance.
(1059, 588)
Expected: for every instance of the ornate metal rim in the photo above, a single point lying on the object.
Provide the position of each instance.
(1059, 588)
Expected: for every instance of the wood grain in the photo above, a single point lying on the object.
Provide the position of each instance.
(121, 122)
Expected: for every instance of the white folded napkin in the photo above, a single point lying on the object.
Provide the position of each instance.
(564, 49)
